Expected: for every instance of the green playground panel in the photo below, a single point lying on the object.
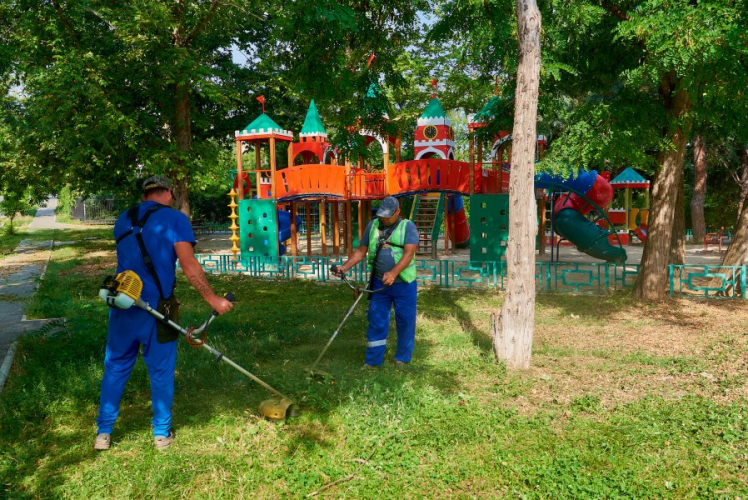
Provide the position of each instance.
(489, 226)
(258, 228)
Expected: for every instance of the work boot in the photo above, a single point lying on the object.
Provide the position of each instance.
(368, 368)
(163, 442)
(103, 441)
(400, 364)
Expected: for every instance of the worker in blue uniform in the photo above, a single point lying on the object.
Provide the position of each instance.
(150, 238)
(389, 242)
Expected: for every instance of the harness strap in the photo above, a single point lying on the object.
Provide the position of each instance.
(132, 214)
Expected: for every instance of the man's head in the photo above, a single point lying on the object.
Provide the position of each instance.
(389, 210)
(158, 188)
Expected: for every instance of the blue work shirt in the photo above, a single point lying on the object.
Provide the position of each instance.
(164, 228)
(385, 259)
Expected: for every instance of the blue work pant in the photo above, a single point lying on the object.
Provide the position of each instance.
(128, 330)
(403, 296)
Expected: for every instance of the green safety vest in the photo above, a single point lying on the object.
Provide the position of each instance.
(397, 239)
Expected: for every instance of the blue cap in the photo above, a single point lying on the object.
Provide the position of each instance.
(388, 207)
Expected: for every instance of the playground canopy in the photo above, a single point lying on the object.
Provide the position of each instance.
(629, 178)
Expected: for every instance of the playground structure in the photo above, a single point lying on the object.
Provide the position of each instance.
(627, 180)
(270, 212)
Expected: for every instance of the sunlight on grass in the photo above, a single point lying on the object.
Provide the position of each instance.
(614, 406)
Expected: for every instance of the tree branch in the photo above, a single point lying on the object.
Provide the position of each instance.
(66, 24)
(621, 15)
(201, 25)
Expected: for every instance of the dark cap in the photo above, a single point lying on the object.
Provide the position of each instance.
(156, 181)
(388, 207)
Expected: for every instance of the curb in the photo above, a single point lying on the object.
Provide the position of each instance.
(10, 355)
(5, 368)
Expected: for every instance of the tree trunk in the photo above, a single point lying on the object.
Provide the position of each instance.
(743, 183)
(652, 283)
(182, 129)
(737, 252)
(512, 328)
(698, 222)
(678, 240)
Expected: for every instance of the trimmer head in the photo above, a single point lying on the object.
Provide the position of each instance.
(278, 408)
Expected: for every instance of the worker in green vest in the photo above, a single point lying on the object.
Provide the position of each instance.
(389, 243)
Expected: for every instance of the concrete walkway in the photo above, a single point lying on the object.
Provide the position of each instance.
(20, 274)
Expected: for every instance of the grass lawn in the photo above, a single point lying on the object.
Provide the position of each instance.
(8, 242)
(623, 400)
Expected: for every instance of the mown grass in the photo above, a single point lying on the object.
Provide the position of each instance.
(20, 231)
(454, 424)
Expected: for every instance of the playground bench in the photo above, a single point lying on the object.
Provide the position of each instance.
(714, 239)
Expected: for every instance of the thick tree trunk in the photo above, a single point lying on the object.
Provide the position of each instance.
(512, 328)
(182, 129)
(698, 222)
(652, 283)
(743, 183)
(737, 252)
(678, 240)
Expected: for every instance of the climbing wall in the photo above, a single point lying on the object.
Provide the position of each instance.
(258, 228)
(489, 226)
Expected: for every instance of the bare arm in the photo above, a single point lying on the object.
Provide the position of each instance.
(358, 255)
(408, 252)
(195, 275)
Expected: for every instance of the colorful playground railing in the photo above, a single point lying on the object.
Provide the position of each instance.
(363, 185)
(311, 181)
(419, 176)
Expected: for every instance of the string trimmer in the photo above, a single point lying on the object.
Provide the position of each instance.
(123, 292)
(360, 292)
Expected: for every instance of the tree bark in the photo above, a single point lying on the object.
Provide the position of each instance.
(737, 252)
(743, 181)
(512, 328)
(652, 283)
(678, 240)
(698, 223)
(182, 129)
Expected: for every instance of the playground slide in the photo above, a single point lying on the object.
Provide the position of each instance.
(570, 221)
(459, 231)
(284, 228)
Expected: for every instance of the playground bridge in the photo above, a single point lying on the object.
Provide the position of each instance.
(433, 175)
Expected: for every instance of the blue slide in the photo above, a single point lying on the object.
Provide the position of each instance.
(284, 228)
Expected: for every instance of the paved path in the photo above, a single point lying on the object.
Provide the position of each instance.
(19, 277)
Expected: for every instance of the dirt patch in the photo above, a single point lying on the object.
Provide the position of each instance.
(670, 350)
(95, 266)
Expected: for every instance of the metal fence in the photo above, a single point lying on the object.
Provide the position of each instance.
(99, 210)
(556, 277)
(705, 281)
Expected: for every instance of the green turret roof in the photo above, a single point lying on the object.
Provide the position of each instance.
(434, 110)
(629, 176)
(313, 123)
(264, 125)
(486, 113)
(262, 122)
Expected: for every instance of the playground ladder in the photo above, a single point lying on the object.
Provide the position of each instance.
(427, 216)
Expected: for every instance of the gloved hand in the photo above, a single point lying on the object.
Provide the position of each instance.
(337, 271)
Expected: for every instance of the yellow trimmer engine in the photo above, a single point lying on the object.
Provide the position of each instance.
(122, 291)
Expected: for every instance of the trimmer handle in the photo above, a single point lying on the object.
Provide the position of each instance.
(228, 296)
(335, 269)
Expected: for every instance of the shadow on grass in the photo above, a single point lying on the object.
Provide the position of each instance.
(275, 331)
